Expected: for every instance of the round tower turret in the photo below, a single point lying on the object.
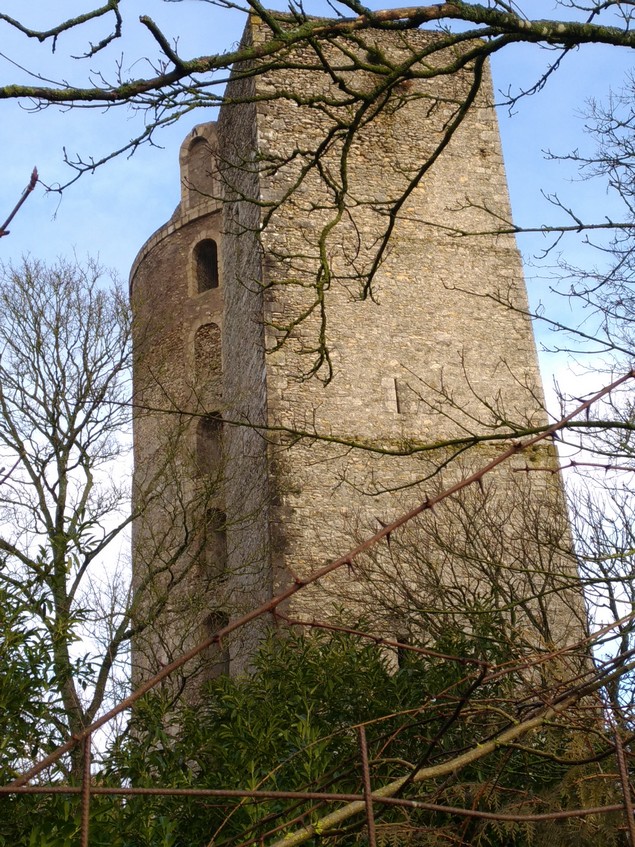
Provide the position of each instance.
(176, 288)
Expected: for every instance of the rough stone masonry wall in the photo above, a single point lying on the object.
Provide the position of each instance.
(247, 479)
(442, 350)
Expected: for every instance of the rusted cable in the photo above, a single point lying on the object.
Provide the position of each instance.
(101, 790)
(346, 560)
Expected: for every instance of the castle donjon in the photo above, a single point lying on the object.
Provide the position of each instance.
(325, 334)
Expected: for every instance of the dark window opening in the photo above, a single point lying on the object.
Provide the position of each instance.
(207, 359)
(209, 445)
(215, 553)
(206, 259)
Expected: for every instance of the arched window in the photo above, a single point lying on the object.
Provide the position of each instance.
(207, 357)
(209, 445)
(206, 265)
(215, 552)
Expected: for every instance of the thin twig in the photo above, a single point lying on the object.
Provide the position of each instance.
(86, 792)
(368, 792)
(626, 784)
(25, 194)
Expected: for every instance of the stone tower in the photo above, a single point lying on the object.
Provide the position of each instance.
(284, 404)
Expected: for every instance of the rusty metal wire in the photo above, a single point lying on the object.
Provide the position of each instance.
(256, 795)
(346, 560)
(368, 798)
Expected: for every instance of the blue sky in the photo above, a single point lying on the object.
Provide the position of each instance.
(113, 211)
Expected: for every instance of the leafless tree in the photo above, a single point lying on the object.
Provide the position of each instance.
(64, 438)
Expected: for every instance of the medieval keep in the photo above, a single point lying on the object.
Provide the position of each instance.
(321, 340)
